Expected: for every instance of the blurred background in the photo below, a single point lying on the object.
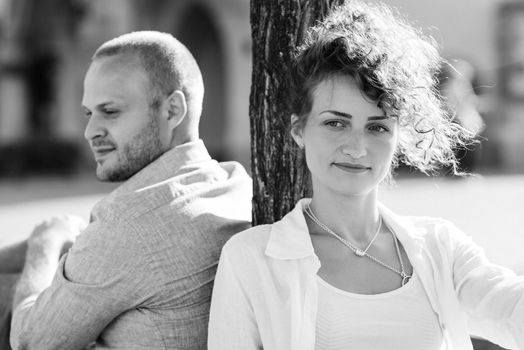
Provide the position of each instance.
(45, 47)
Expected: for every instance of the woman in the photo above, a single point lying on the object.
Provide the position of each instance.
(341, 271)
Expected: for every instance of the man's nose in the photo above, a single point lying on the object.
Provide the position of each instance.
(94, 128)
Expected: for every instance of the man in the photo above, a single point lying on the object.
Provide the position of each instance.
(140, 275)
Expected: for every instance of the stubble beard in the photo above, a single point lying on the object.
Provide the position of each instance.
(141, 151)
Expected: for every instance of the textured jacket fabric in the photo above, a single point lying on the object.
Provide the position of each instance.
(266, 294)
(140, 276)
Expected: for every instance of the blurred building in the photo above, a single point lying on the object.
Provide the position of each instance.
(45, 48)
(489, 34)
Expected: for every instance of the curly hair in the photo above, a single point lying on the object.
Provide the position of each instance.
(394, 65)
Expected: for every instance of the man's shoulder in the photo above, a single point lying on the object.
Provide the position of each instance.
(107, 229)
(179, 214)
(211, 180)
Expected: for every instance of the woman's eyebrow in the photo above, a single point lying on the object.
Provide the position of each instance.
(378, 117)
(338, 113)
(349, 116)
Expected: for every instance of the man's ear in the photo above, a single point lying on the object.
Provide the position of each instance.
(296, 131)
(176, 109)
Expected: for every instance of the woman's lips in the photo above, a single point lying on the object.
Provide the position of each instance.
(352, 168)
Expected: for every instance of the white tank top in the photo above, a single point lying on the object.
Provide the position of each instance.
(399, 319)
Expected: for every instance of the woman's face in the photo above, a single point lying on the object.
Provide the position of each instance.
(348, 140)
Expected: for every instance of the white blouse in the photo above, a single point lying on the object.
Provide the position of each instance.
(265, 294)
(399, 319)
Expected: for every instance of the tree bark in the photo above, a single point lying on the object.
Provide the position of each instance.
(280, 177)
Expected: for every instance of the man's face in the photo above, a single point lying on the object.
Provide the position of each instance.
(122, 130)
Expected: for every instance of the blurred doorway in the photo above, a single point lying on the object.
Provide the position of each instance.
(200, 34)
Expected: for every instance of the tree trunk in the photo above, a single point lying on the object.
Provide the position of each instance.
(279, 173)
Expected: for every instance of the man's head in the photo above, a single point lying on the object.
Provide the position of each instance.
(143, 96)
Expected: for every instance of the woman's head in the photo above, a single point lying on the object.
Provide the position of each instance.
(392, 64)
(349, 141)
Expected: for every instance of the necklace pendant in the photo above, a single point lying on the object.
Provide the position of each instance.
(405, 278)
(360, 252)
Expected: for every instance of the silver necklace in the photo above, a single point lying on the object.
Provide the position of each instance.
(359, 252)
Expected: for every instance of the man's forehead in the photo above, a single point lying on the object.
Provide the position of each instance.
(121, 63)
(109, 82)
(119, 67)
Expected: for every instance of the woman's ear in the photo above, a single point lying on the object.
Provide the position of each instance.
(296, 131)
(176, 109)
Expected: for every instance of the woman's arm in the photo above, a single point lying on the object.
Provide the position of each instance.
(492, 296)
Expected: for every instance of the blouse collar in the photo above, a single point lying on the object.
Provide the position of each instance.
(289, 238)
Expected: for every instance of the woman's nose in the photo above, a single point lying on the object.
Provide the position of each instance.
(355, 146)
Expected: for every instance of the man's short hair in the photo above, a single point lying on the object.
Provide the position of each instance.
(169, 65)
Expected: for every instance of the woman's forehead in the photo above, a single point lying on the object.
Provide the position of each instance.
(343, 94)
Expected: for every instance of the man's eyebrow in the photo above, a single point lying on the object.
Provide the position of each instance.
(105, 104)
(102, 105)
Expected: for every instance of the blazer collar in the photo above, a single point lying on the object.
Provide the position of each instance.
(169, 164)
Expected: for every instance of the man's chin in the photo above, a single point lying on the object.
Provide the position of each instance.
(114, 174)
(106, 175)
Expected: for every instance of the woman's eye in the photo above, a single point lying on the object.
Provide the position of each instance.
(378, 128)
(334, 123)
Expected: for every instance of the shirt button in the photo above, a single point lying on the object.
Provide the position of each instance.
(443, 326)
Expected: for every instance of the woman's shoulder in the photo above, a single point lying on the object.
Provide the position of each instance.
(427, 221)
(252, 240)
(433, 222)
(422, 223)
(437, 228)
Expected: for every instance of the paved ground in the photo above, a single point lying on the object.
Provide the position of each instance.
(26, 202)
(488, 208)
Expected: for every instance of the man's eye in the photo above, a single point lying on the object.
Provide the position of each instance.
(110, 111)
(87, 114)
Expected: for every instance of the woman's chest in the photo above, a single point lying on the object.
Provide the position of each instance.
(382, 269)
(399, 319)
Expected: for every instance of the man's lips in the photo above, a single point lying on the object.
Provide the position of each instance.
(100, 151)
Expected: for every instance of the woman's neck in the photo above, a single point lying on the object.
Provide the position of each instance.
(355, 218)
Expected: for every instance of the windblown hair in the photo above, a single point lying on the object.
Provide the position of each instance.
(169, 65)
(394, 65)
